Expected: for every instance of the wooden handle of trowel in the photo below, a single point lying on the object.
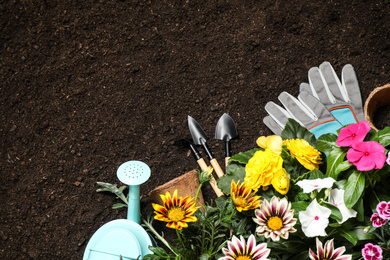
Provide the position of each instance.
(217, 168)
(213, 182)
(226, 161)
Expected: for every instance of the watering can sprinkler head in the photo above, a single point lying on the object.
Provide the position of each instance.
(133, 173)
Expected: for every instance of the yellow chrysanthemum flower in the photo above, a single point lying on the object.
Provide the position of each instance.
(177, 211)
(281, 181)
(260, 169)
(242, 197)
(272, 142)
(306, 154)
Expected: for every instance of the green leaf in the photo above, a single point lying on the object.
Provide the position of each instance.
(243, 157)
(349, 235)
(119, 205)
(361, 235)
(336, 214)
(315, 174)
(299, 206)
(326, 143)
(359, 208)
(113, 189)
(384, 136)
(293, 130)
(224, 183)
(335, 163)
(354, 188)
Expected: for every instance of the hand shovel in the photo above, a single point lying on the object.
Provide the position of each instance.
(202, 164)
(200, 137)
(226, 130)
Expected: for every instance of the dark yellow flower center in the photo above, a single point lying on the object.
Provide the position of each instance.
(240, 201)
(275, 223)
(176, 214)
(244, 257)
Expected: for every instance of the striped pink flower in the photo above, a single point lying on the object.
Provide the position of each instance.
(241, 249)
(328, 252)
(372, 252)
(275, 219)
(377, 221)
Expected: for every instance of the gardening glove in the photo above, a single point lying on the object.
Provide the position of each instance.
(342, 99)
(307, 110)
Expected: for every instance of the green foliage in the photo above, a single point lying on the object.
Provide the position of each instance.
(205, 238)
(113, 188)
(293, 130)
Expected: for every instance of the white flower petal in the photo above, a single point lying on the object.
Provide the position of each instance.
(336, 198)
(316, 184)
(314, 219)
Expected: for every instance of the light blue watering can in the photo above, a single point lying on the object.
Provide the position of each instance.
(123, 237)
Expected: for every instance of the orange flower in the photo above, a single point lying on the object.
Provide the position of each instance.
(177, 211)
(242, 197)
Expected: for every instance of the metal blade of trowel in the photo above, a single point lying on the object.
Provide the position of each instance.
(199, 137)
(226, 130)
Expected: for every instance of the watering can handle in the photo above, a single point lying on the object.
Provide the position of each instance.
(133, 208)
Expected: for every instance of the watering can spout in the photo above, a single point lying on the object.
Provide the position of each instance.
(133, 173)
(133, 207)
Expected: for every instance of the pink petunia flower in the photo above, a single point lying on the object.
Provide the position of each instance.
(354, 133)
(377, 220)
(367, 155)
(383, 209)
(372, 252)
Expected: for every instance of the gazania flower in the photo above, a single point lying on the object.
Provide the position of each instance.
(176, 210)
(367, 155)
(328, 252)
(242, 197)
(260, 169)
(306, 154)
(245, 250)
(354, 133)
(275, 219)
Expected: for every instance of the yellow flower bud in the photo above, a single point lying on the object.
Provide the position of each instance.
(281, 181)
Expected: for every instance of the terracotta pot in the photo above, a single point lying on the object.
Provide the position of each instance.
(379, 97)
(186, 184)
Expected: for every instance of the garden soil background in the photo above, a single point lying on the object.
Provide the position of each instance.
(88, 85)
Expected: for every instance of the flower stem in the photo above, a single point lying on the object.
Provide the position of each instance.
(162, 239)
(180, 238)
(198, 191)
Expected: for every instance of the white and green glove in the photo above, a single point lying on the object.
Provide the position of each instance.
(306, 110)
(342, 99)
(324, 104)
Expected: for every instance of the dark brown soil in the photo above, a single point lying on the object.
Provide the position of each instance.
(382, 117)
(88, 85)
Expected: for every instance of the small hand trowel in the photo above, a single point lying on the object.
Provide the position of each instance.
(200, 137)
(202, 164)
(226, 130)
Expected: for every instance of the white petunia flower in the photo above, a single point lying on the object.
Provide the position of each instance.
(314, 219)
(336, 198)
(316, 184)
